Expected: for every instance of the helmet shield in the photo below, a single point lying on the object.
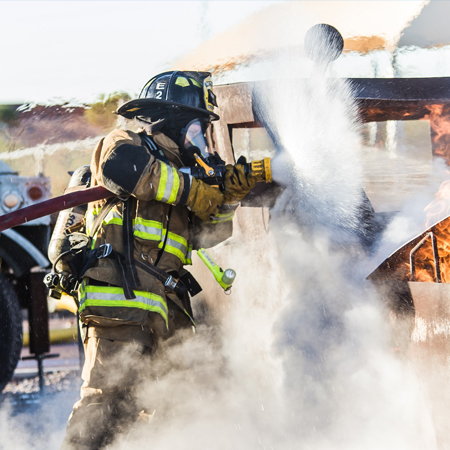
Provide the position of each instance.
(196, 134)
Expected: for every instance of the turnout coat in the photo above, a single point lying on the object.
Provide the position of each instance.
(144, 170)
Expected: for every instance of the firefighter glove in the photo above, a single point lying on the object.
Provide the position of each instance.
(237, 184)
(204, 200)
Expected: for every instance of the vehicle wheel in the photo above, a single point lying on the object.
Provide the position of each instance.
(10, 331)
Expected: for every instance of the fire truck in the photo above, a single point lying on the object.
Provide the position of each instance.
(23, 251)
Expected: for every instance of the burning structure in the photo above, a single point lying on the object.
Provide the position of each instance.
(413, 280)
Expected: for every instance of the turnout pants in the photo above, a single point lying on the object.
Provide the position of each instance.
(112, 374)
(107, 407)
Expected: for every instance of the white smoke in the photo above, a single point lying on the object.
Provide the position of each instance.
(299, 356)
(417, 213)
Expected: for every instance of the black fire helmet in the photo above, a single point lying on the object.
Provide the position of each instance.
(180, 94)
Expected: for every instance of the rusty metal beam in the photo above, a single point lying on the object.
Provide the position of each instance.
(379, 99)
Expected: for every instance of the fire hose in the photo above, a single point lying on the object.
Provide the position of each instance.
(210, 174)
(73, 204)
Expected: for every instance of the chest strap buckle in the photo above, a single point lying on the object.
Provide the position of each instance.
(104, 251)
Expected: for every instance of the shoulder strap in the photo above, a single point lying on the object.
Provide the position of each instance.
(153, 148)
(106, 208)
(129, 207)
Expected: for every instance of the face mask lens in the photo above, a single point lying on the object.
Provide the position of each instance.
(195, 137)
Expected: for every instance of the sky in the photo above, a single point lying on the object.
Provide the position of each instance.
(57, 51)
(76, 50)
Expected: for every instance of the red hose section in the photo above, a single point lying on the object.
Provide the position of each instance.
(53, 205)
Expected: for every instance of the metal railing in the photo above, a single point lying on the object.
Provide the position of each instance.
(437, 269)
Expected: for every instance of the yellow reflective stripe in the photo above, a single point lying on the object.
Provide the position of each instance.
(114, 297)
(189, 255)
(174, 251)
(162, 182)
(176, 186)
(222, 217)
(113, 221)
(147, 236)
(176, 245)
(169, 184)
(176, 238)
(113, 217)
(148, 223)
(148, 229)
(90, 217)
(152, 230)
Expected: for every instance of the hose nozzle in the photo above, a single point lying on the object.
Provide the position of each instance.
(262, 170)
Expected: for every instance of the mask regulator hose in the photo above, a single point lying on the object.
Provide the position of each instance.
(215, 174)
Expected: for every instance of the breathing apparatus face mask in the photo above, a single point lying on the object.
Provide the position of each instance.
(195, 138)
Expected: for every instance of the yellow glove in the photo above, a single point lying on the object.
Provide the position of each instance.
(237, 184)
(204, 200)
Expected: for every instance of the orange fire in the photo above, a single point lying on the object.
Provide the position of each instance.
(439, 208)
(439, 118)
(424, 259)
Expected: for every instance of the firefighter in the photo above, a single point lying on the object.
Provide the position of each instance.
(126, 308)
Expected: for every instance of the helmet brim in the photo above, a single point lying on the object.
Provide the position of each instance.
(149, 106)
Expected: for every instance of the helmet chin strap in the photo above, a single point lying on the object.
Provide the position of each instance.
(173, 134)
(150, 126)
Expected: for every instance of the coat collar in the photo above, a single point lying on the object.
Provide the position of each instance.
(169, 148)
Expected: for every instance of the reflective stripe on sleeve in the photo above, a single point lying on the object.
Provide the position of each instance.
(169, 184)
(106, 296)
(222, 217)
(175, 187)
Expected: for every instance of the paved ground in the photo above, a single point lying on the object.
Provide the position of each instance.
(67, 360)
(30, 419)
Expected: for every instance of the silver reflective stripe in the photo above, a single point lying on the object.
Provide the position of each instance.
(114, 297)
(120, 297)
(177, 245)
(169, 185)
(154, 231)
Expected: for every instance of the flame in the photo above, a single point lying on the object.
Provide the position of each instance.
(439, 118)
(437, 211)
(424, 259)
(439, 208)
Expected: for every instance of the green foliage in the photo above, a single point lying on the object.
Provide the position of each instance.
(8, 113)
(101, 114)
(8, 117)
